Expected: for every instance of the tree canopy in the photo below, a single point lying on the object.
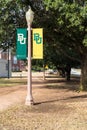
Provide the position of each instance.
(12, 16)
(65, 28)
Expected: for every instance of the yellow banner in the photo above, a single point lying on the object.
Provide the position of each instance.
(38, 43)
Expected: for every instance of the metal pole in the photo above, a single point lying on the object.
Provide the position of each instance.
(29, 98)
(8, 61)
(43, 72)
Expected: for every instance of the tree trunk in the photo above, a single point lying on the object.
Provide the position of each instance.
(83, 79)
(68, 71)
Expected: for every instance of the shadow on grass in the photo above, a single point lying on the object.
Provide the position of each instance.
(68, 98)
(68, 87)
(59, 83)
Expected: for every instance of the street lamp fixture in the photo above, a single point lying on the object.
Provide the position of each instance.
(29, 16)
(29, 19)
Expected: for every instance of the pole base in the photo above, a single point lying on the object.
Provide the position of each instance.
(29, 102)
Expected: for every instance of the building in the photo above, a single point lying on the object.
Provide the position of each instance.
(17, 65)
(5, 63)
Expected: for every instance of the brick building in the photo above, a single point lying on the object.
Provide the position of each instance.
(15, 65)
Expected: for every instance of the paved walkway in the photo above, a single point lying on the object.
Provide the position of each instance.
(10, 96)
(17, 94)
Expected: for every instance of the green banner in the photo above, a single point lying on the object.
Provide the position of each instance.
(21, 49)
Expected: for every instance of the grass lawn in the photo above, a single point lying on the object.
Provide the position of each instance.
(47, 116)
(57, 107)
(4, 82)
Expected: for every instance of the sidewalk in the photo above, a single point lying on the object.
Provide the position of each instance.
(11, 96)
(17, 94)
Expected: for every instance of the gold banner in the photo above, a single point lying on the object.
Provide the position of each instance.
(38, 43)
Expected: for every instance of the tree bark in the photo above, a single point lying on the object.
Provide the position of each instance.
(68, 71)
(83, 79)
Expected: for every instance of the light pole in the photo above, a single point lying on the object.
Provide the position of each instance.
(29, 18)
(8, 60)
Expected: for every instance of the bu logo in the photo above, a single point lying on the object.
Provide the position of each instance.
(21, 38)
(37, 38)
